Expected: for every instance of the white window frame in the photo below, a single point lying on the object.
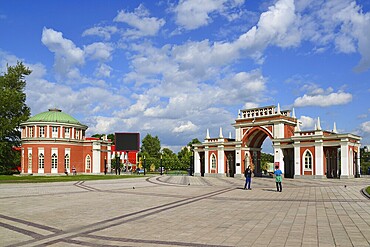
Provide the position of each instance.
(67, 162)
(29, 162)
(42, 131)
(307, 160)
(54, 161)
(41, 163)
(88, 162)
(54, 132)
(30, 131)
(213, 162)
(67, 132)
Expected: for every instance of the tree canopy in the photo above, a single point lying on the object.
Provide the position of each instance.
(13, 111)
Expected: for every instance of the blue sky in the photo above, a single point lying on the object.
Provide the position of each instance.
(176, 68)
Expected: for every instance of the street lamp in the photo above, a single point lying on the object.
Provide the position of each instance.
(144, 165)
(161, 168)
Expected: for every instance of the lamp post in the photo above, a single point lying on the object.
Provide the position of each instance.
(161, 168)
(144, 165)
(117, 165)
(105, 165)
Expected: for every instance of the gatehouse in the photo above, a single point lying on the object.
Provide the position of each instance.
(315, 153)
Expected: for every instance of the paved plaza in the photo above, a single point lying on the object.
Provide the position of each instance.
(185, 211)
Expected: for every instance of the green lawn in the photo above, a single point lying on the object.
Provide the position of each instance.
(61, 178)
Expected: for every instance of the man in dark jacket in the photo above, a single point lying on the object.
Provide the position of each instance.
(248, 178)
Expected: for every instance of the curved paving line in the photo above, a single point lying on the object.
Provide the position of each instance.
(119, 220)
(364, 193)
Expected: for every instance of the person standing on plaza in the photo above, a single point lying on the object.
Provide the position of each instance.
(278, 178)
(248, 178)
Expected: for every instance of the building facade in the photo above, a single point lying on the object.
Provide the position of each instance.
(316, 153)
(54, 142)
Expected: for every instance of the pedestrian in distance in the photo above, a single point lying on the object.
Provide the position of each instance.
(278, 178)
(248, 178)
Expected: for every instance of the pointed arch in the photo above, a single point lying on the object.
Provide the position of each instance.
(307, 160)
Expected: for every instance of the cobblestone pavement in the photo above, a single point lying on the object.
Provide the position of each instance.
(185, 211)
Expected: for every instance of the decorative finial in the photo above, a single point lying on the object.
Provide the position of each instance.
(221, 135)
(230, 135)
(293, 113)
(278, 109)
(297, 127)
(207, 135)
(239, 114)
(318, 124)
(335, 128)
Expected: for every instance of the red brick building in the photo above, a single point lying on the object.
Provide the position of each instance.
(316, 153)
(54, 142)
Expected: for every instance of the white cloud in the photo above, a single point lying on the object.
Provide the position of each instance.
(139, 20)
(67, 55)
(340, 22)
(307, 122)
(365, 127)
(340, 98)
(185, 127)
(192, 14)
(104, 32)
(103, 71)
(99, 51)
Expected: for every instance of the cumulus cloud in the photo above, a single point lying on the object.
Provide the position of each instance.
(140, 21)
(365, 127)
(104, 32)
(341, 23)
(185, 127)
(307, 122)
(99, 51)
(192, 14)
(67, 55)
(103, 71)
(323, 100)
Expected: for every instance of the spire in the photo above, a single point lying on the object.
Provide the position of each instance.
(318, 124)
(335, 128)
(221, 136)
(207, 135)
(293, 113)
(239, 114)
(230, 135)
(278, 109)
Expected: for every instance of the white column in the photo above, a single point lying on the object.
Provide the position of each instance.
(238, 159)
(238, 136)
(206, 159)
(358, 163)
(96, 158)
(196, 162)
(61, 132)
(221, 160)
(278, 130)
(73, 133)
(319, 159)
(109, 160)
(278, 156)
(47, 131)
(297, 159)
(344, 159)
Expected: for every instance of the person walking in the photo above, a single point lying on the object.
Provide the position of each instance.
(278, 178)
(248, 178)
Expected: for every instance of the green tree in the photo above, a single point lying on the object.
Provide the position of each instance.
(13, 111)
(170, 160)
(185, 155)
(265, 159)
(151, 146)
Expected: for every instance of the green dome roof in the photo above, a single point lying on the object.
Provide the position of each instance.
(53, 115)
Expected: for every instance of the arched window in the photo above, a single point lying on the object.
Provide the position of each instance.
(307, 160)
(213, 161)
(41, 161)
(29, 161)
(66, 161)
(54, 161)
(88, 162)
